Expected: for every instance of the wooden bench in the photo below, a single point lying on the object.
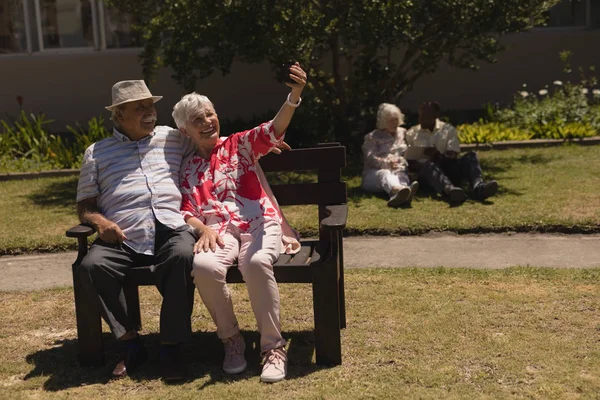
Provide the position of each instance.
(319, 262)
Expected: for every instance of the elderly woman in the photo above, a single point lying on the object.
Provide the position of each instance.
(385, 168)
(234, 218)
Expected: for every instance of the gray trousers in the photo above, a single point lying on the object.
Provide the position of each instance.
(103, 270)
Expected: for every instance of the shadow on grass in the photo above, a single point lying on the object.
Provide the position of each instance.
(204, 356)
(494, 166)
(56, 194)
(357, 194)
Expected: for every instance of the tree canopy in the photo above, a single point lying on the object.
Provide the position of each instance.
(357, 53)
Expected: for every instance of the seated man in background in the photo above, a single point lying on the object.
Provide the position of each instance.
(384, 165)
(433, 153)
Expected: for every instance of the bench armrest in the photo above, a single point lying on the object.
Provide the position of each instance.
(336, 217)
(80, 231)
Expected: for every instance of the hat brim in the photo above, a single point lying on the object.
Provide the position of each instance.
(113, 106)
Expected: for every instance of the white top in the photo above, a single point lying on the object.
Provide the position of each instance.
(381, 149)
(444, 138)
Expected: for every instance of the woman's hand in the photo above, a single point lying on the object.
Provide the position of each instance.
(298, 75)
(284, 116)
(279, 149)
(209, 239)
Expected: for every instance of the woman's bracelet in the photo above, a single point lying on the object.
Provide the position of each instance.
(289, 103)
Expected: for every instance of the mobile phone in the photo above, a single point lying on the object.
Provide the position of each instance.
(284, 72)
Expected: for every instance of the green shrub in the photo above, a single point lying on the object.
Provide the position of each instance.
(565, 131)
(12, 165)
(560, 110)
(482, 132)
(27, 138)
(26, 145)
(83, 138)
(488, 132)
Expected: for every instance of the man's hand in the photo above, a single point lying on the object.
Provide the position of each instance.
(209, 239)
(433, 154)
(109, 232)
(430, 151)
(451, 154)
(89, 214)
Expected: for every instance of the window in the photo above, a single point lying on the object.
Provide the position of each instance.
(118, 30)
(594, 19)
(66, 23)
(567, 13)
(42, 25)
(12, 27)
(573, 13)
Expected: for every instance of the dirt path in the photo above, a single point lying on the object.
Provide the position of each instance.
(41, 271)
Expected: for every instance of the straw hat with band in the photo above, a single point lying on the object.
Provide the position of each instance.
(128, 91)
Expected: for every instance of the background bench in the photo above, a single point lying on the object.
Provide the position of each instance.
(319, 262)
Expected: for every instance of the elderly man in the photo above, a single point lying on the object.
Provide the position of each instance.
(129, 191)
(433, 153)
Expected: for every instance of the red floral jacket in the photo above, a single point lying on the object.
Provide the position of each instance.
(225, 188)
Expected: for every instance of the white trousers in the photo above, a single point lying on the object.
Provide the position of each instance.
(377, 180)
(256, 254)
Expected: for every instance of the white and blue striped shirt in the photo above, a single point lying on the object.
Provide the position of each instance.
(137, 182)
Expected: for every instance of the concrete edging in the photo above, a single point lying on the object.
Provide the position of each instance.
(516, 144)
(34, 175)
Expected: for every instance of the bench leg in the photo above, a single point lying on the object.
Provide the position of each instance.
(326, 304)
(341, 285)
(89, 326)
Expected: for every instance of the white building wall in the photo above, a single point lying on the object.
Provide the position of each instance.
(71, 86)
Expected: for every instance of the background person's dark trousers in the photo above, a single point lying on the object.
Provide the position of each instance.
(446, 175)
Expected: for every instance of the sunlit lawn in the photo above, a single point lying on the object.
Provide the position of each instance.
(417, 334)
(544, 189)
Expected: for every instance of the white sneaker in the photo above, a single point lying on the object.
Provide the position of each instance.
(399, 197)
(234, 361)
(275, 365)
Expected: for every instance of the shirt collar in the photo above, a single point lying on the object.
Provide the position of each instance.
(123, 138)
(438, 126)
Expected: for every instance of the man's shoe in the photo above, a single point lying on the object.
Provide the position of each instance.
(132, 354)
(483, 190)
(399, 197)
(172, 366)
(456, 195)
(414, 188)
(274, 365)
(234, 361)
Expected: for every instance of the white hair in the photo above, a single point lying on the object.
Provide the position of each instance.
(385, 112)
(188, 107)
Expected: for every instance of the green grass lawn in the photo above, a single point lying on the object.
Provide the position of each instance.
(411, 333)
(544, 189)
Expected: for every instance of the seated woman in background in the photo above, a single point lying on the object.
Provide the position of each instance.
(234, 218)
(385, 169)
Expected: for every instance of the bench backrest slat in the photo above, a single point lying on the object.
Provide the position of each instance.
(327, 161)
(310, 193)
(305, 159)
